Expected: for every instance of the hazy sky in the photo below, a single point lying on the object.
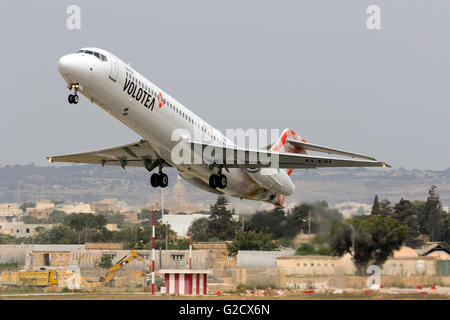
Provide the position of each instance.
(312, 66)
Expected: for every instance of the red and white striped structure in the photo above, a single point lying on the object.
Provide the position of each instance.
(186, 282)
(153, 252)
(190, 249)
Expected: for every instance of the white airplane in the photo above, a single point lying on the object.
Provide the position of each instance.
(153, 114)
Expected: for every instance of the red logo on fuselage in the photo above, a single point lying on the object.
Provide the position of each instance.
(160, 100)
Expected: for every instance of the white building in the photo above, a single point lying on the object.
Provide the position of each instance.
(349, 209)
(180, 223)
(20, 229)
(45, 204)
(9, 211)
(77, 208)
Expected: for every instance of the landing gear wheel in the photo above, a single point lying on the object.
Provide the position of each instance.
(70, 98)
(220, 181)
(154, 180)
(75, 99)
(163, 180)
(212, 181)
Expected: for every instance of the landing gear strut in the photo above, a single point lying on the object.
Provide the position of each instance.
(218, 180)
(73, 98)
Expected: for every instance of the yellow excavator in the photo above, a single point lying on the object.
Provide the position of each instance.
(122, 263)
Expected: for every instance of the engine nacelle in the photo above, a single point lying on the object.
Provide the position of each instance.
(275, 180)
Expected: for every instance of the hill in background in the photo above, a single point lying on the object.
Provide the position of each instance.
(86, 183)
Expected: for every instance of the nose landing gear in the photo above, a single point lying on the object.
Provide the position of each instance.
(73, 98)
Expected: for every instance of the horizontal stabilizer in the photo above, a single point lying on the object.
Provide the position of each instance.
(315, 147)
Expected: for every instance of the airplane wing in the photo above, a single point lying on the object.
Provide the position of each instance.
(140, 153)
(234, 157)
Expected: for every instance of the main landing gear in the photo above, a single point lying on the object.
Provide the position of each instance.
(159, 180)
(73, 98)
(218, 180)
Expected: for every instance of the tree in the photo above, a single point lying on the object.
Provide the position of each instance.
(56, 216)
(105, 261)
(58, 234)
(407, 215)
(274, 221)
(433, 209)
(369, 240)
(305, 249)
(114, 217)
(26, 205)
(221, 224)
(86, 222)
(252, 240)
(386, 208)
(375, 206)
(200, 230)
(146, 214)
(31, 220)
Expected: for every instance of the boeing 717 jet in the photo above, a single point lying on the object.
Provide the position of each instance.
(153, 114)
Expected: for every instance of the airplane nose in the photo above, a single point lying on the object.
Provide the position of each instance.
(66, 64)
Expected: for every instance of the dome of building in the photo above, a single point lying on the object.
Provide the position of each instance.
(178, 192)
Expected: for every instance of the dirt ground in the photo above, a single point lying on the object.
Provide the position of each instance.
(224, 296)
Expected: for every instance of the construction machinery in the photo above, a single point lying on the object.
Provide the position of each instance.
(67, 276)
(46, 278)
(122, 263)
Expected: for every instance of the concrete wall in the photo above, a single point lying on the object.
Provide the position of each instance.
(255, 277)
(327, 265)
(313, 265)
(410, 266)
(260, 259)
(18, 252)
(170, 259)
(13, 253)
(55, 258)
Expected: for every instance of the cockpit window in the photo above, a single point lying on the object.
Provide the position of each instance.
(93, 53)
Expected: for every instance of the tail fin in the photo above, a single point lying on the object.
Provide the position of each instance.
(282, 146)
